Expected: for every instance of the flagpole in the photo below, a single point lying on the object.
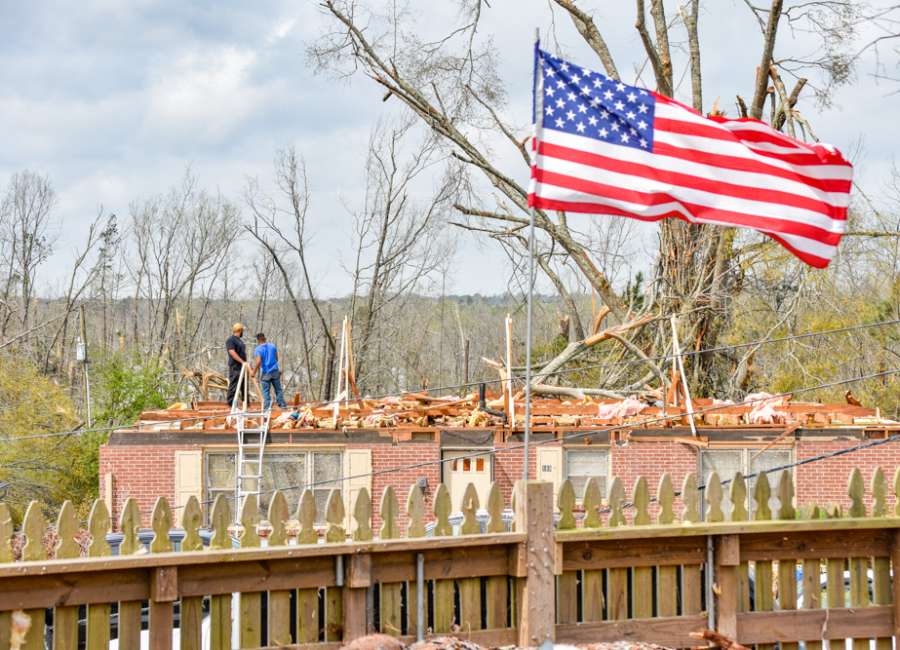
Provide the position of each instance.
(538, 115)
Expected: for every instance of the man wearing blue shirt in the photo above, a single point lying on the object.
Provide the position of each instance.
(266, 363)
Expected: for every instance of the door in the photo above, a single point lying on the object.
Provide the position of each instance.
(462, 468)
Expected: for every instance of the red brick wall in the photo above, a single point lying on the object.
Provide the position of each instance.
(144, 472)
(825, 482)
(508, 467)
(387, 456)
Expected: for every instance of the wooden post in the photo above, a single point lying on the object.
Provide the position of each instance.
(728, 559)
(535, 607)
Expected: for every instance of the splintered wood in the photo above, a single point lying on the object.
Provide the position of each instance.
(420, 411)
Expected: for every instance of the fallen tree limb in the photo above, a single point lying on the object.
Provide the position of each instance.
(576, 393)
(577, 348)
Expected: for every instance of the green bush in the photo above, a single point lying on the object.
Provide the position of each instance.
(125, 385)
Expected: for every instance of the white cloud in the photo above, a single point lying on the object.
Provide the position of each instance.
(203, 92)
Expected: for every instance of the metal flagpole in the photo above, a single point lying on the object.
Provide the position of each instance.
(538, 115)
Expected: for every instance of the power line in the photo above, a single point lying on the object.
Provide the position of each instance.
(664, 357)
(78, 432)
(583, 433)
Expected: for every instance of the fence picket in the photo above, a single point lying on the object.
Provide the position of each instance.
(496, 587)
(334, 596)
(714, 495)
(812, 582)
(250, 604)
(34, 527)
(470, 588)
(308, 599)
(444, 617)
(738, 493)
(567, 583)
(666, 576)
(617, 579)
(65, 619)
(279, 604)
(642, 577)
(691, 585)
(130, 611)
(6, 555)
(191, 613)
(592, 597)
(220, 605)
(764, 600)
(859, 566)
(162, 612)
(881, 587)
(392, 593)
(787, 569)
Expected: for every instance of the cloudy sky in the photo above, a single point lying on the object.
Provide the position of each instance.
(113, 99)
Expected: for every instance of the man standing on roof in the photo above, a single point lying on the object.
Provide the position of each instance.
(266, 360)
(237, 358)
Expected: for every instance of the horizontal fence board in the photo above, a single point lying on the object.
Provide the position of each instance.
(248, 577)
(442, 563)
(813, 545)
(814, 624)
(55, 567)
(672, 631)
(603, 554)
(74, 589)
(724, 528)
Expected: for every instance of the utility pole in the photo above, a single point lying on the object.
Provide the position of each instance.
(82, 356)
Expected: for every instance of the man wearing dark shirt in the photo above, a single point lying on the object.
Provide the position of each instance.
(237, 357)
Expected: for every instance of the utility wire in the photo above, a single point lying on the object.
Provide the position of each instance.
(664, 357)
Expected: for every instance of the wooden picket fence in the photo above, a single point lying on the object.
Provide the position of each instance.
(628, 567)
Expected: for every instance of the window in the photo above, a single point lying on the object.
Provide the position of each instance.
(289, 472)
(727, 462)
(585, 464)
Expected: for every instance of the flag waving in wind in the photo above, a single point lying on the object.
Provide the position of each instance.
(604, 147)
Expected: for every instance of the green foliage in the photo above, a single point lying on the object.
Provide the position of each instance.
(47, 469)
(125, 385)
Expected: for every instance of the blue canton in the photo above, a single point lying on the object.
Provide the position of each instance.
(586, 103)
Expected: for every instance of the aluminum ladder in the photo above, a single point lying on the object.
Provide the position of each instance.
(251, 451)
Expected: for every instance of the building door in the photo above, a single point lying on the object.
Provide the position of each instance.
(462, 468)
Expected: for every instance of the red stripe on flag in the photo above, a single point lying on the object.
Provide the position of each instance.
(748, 165)
(694, 182)
(757, 222)
(594, 208)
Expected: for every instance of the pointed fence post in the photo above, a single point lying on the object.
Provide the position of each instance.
(535, 602)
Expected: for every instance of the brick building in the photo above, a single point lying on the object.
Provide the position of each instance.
(179, 452)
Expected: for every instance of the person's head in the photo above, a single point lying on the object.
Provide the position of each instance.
(260, 338)
(237, 329)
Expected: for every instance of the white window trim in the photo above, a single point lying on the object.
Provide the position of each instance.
(609, 474)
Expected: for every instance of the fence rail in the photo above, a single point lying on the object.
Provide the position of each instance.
(650, 568)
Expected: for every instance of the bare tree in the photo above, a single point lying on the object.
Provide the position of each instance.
(398, 241)
(25, 242)
(451, 85)
(182, 242)
(279, 224)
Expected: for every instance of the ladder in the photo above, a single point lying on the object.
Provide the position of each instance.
(251, 441)
(251, 451)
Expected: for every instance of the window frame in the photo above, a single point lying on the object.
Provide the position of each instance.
(564, 473)
(210, 492)
(747, 452)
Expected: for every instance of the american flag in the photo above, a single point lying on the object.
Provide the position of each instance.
(604, 147)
